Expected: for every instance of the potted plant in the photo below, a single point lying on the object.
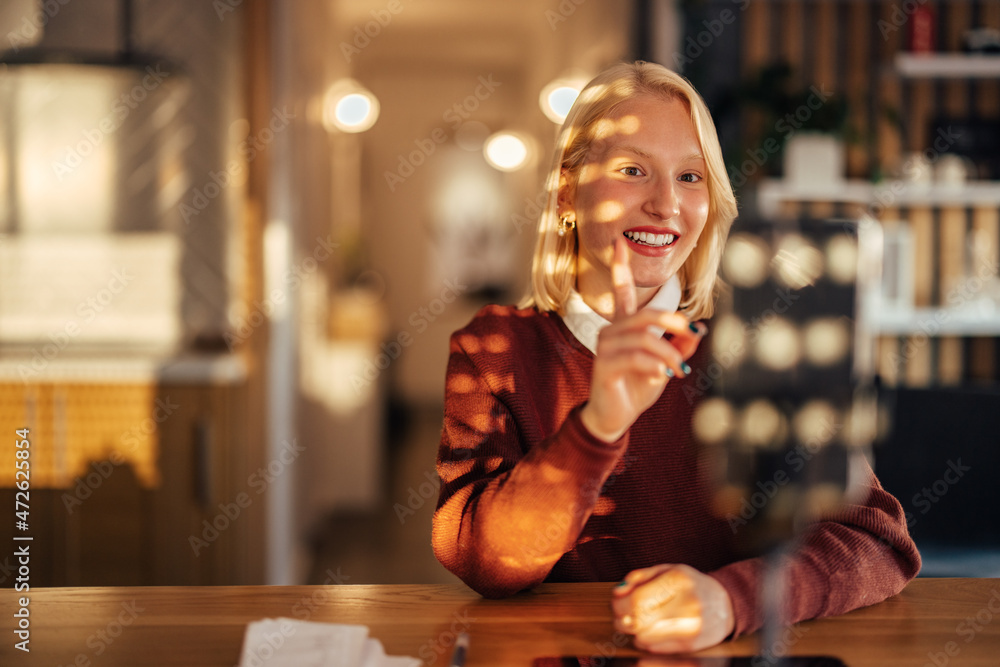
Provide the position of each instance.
(804, 129)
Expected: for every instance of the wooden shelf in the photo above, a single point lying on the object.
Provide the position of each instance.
(947, 66)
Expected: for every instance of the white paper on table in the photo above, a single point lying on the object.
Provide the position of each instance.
(286, 642)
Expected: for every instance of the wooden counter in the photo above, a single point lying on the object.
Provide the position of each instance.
(193, 626)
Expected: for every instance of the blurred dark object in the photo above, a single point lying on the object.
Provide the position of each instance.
(787, 419)
(940, 461)
(785, 107)
(981, 40)
(975, 138)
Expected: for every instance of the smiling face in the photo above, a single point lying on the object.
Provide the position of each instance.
(643, 179)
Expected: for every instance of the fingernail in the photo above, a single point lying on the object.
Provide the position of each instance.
(685, 368)
(621, 583)
(670, 374)
(694, 328)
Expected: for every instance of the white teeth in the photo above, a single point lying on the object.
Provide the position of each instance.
(651, 239)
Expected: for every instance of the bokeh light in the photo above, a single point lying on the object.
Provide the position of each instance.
(506, 151)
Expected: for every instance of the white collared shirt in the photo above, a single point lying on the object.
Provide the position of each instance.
(585, 324)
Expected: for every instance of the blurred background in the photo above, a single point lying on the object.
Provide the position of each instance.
(236, 235)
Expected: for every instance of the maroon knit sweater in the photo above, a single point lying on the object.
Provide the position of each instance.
(528, 495)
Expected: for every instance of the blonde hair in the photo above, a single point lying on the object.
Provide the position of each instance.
(553, 268)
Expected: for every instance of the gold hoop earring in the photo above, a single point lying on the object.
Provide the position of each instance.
(566, 225)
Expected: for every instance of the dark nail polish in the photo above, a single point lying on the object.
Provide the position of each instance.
(685, 368)
(694, 328)
(670, 372)
(621, 583)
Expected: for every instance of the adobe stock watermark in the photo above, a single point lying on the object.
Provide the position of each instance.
(531, 212)
(562, 12)
(796, 459)
(968, 629)
(225, 7)
(88, 310)
(261, 311)
(925, 499)
(932, 324)
(703, 378)
(419, 496)
(230, 511)
(101, 640)
(555, 534)
(786, 125)
(102, 470)
(922, 162)
(695, 45)
(771, 656)
(899, 17)
(235, 169)
(31, 26)
(370, 30)
(431, 650)
(419, 322)
(271, 642)
(307, 604)
(121, 108)
(425, 147)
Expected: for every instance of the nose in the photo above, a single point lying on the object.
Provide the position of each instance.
(663, 202)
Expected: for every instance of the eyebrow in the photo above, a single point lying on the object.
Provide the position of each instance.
(643, 154)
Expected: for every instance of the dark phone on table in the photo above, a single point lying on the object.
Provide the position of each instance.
(653, 661)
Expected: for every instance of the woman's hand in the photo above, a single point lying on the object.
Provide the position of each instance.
(672, 609)
(632, 364)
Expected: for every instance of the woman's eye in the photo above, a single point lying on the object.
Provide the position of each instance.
(690, 178)
(631, 171)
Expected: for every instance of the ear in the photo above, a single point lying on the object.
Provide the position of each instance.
(567, 191)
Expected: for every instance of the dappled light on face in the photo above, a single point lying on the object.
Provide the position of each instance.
(604, 302)
(608, 211)
(606, 128)
(628, 125)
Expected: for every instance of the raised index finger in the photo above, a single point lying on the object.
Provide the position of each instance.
(623, 282)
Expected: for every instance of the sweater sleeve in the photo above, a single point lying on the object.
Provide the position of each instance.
(508, 510)
(860, 556)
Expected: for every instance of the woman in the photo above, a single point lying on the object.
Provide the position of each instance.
(566, 452)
